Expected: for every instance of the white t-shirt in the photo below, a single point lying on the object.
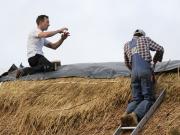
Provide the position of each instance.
(35, 44)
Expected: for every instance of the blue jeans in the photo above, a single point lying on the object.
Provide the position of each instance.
(142, 92)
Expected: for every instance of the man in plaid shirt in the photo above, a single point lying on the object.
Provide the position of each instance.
(138, 60)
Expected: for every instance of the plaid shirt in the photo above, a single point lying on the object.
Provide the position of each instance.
(144, 46)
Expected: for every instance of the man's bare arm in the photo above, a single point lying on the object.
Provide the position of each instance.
(59, 42)
(51, 33)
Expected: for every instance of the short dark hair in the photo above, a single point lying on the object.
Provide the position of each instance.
(41, 18)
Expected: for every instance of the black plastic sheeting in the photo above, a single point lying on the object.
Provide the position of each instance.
(89, 70)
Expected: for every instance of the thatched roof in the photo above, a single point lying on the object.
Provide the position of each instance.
(79, 106)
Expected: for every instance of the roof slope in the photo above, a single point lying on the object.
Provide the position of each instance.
(79, 106)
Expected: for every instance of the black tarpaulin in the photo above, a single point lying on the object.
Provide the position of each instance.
(89, 70)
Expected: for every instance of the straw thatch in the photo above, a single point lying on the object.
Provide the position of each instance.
(75, 106)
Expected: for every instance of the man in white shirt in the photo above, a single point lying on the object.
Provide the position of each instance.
(36, 41)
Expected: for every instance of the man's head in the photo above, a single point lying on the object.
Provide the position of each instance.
(139, 33)
(43, 22)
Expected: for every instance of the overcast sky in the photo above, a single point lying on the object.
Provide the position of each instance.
(99, 28)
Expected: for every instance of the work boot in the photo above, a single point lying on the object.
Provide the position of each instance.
(19, 73)
(132, 119)
(123, 119)
(129, 120)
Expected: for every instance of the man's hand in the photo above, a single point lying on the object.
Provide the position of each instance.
(62, 30)
(158, 56)
(65, 35)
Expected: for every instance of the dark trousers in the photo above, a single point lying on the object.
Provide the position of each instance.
(38, 64)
